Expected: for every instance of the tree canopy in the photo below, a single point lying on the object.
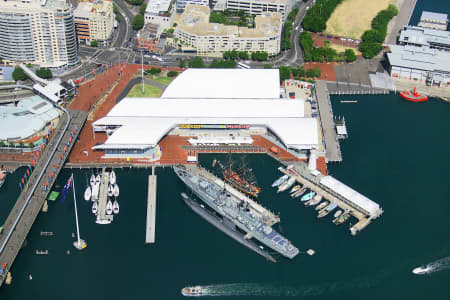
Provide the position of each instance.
(94, 43)
(285, 73)
(317, 16)
(223, 64)
(44, 73)
(349, 55)
(19, 74)
(260, 55)
(138, 22)
(196, 62)
(135, 2)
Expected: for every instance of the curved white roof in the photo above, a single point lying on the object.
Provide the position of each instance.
(225, 83)
(144, 121)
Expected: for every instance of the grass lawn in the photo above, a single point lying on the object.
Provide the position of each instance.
(163, 80)
(150, 91)
(352, 17)
(340, 48)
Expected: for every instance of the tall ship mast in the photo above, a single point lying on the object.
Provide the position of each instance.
(251, 218)
(240, 178)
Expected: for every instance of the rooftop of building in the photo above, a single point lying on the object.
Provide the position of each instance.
(195, 20)
(26, 119)
(149, 31)
(434, 17)
(36, 4)
(421, 35)
(264, 1)
(225, 83)
(85, 9)
(155, 7)
(421, 58)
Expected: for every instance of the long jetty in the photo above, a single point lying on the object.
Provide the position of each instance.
(151, 209)
(33, 195)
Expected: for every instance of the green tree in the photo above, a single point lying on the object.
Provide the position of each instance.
(267, 66)
(172, 74)
(31, 145)
(2, 144)
(135, 2)
(317, 72)
(138, 22)
(155, 71)
(301, 71)
(1, 60)
(196, 62)
(143, 8)
(233, 54)
(349, 55)
(21, 144)
(243, 55)
(44, 73)
(370, 50)
(223, 64)
(170, 32)
(19, 74)
(310, 73)
(11, 144)
(259, 56)
(182, 63)
(94, 43)
(294, 72)
(326, 44)
(175, 24)
(285, 73)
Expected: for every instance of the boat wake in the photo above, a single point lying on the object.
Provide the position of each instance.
(262, 289)
(436, 266)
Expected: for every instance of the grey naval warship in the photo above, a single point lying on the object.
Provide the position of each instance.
(249, 217)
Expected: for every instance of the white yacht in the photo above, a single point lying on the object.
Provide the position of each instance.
(115, 207)
(94, 207)
(116, 190)
(112, 177)
(109, 207)
(87, 193)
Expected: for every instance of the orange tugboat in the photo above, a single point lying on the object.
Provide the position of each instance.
(242, 179)
(413, 96)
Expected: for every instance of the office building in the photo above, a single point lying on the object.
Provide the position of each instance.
(94, 21)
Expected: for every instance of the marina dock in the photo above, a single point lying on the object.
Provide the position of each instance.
(151, 209)
(102, 217)
(347, 199)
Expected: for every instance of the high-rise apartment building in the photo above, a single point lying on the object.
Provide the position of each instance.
(94, 21)
(40, 32)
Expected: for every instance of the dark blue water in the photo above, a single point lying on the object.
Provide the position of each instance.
(397, 155)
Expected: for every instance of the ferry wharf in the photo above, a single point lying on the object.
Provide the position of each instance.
(102, 216)
(359, 206)
(151, 209)
(39, 184)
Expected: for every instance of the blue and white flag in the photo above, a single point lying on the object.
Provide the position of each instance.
(65, 189)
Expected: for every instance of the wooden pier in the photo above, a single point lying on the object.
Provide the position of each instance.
(102, 217)
(151, 209)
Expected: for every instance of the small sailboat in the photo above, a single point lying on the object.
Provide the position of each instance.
(110, 190)
(116, 190)
(337, 213)
(286, 184)
(307, 197)
(94, 207)
(112, 177)
(322, 205)
(327, 210)
(295, 188)
(115, 207)
(87, 193)
(109, 207)
(92, 181)
(280, 180)
(97, 179)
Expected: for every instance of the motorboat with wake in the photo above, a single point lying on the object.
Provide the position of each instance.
(307, 196)
(116, 190)
(109, 207)
(112, 177)
(94, 207)
(321, 205)
(193, 291)
(280, 180)
(115, 207)
(87, 193)
(327, 210)
(286, 184)
(422, 270)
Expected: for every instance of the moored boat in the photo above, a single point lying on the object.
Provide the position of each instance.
(97, 179)
(2, 176)
(299, 193)
(92, 181)
(307, 197)
(112, 177)
(110, 190)
(116, 190)
(109, 207)
(413, 96)
(286, 184)
(87, 193)
(337, 213)
(325, 211)
(192, 291)
(115, 207)
(295, 188)
(95, 191)
(321, 205)
(315, 200)
(342, 218)
(94, 207)
(280, 180)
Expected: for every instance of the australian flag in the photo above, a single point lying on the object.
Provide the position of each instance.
(65, 189)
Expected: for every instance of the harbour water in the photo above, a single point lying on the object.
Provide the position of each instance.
(396, 154)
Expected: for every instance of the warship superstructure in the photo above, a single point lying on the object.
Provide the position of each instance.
(249, 217)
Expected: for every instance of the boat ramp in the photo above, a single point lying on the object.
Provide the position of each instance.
(102, 216)
(151, 209)
(359, 206)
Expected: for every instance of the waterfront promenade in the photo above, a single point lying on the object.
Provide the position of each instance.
(333, 150)
(30, 201)
(151, 209)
